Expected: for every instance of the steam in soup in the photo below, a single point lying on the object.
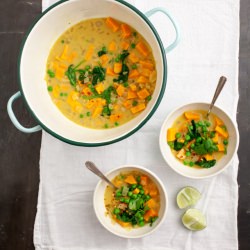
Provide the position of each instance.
(101, 73)
(197, 140)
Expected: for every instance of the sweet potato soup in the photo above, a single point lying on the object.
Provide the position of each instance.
(197, 140)
(101, 73)
(135, 203)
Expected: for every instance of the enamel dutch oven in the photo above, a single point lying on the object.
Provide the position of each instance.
(32, 67)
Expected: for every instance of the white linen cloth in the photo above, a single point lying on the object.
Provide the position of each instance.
(208, 49)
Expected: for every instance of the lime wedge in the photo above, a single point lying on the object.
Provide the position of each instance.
(194, 219)
(188, 196)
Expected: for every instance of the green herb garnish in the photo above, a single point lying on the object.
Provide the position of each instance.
(107, 96)
(205, 164)
(103, 51)
(123, 75)
(205, 146)
(71, 73)
(98, 74)
(178, 145)
(136, 204)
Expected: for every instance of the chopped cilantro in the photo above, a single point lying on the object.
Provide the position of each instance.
(98, 74)
(103, 51)
(205, 164)
(178, 145)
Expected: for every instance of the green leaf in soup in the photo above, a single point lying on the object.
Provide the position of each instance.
(124, 217)
(103, 51)
(208, 144)
(139, 203)
(81, 62)
(81, 77)
(133, 220)
(212, 149)
(98, 74)
(178, 145)
(71, 74)
(93, 90)
(205, 164)
(200, 149)
(123, 55)
(106, 111)
(107, 94)
(100, 53)
(193, 130)
(123, 75)
(81, 71)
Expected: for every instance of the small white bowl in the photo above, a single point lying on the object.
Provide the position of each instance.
(114, 227)
(196, 173)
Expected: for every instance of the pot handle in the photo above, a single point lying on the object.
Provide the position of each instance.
(177, 31)
(14, 119)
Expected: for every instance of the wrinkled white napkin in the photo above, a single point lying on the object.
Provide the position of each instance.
(208, 49)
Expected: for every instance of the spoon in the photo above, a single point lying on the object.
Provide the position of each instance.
(93, 168)
(220, 86)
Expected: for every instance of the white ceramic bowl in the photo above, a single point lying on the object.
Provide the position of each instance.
(32, 67)
(196, 173)
(115, 228)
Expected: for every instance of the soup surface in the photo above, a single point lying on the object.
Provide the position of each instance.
(197, 140)
(101, 73)
(135, 203)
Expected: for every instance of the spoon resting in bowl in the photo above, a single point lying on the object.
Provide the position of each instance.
(93, 168)
(220, 86)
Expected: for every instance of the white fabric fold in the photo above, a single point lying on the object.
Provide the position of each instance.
(208, 49)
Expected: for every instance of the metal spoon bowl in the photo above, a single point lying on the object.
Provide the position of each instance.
(217, 92)
(93, 168)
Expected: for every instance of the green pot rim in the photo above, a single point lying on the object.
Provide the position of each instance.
(76, 143)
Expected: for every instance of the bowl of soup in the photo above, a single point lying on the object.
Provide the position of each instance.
(137, 207)
(196, 145)
(92, 76)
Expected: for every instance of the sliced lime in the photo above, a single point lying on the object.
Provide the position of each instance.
(188, 196)
(194, 219)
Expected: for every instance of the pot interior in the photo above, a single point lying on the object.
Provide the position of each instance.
(33, 67)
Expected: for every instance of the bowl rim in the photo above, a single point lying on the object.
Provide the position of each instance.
(235, 126)
(129, 133)
(159, 182)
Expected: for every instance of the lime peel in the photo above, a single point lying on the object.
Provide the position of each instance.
(187, 196)
(194, 219)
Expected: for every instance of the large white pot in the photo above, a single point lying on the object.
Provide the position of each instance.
(32, 63)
